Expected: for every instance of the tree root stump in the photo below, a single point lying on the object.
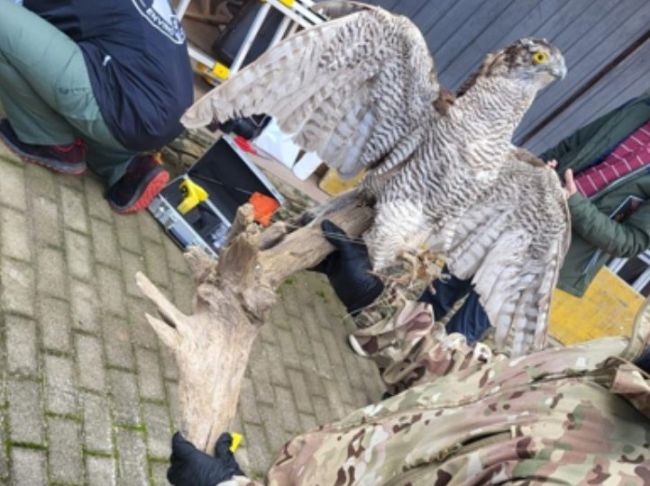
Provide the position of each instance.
(233, 296)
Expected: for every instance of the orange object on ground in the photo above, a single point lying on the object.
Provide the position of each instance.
(263, 207)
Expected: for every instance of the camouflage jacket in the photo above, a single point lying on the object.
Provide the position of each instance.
(572, 416)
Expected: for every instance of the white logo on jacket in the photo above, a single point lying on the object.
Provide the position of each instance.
(160, 15)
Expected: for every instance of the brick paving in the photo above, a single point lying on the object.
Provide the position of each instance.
(87, 393)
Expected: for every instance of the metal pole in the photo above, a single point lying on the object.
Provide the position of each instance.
(200, 56)
(282, 29)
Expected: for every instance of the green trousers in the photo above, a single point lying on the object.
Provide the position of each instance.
(46, 91)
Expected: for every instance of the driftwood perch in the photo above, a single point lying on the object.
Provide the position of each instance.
(233, 295)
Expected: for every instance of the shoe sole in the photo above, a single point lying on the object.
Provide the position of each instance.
(68, 169)
(356, 347)
(151, 190)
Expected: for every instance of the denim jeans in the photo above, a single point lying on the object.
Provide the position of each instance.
(470, 320)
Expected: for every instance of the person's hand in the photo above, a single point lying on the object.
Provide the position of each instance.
(569, 184)
(192, 467)
(348, 269)
(570, 187)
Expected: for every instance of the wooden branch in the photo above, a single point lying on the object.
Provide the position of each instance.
(306, 247)
(233, 296)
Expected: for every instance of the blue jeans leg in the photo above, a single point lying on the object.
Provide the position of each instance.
(470, 320)
(447, 291)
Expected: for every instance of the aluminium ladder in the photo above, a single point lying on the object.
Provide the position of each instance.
(297, 14)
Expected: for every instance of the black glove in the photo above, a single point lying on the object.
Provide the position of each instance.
(248, 128)
(348, 270)
(192, 467)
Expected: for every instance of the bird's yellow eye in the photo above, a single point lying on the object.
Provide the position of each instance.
(540, 57)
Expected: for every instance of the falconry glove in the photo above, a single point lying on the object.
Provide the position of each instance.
(348, 269)
(192, 467)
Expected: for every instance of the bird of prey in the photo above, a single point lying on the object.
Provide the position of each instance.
(361, 91)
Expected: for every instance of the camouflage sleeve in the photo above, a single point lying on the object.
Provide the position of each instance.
(559, 416)
(628, 381)
(572, 415)
(411, 348)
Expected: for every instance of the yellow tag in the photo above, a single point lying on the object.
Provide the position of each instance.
(194, 195)
(220, 71)
(288, 3)
(236, 440)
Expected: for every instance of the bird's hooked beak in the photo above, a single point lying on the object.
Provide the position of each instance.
(558, 67)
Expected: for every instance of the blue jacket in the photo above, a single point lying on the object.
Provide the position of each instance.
(137, 60)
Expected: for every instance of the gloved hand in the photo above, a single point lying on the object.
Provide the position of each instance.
(248, 128)
(348, 270)
(192, 467)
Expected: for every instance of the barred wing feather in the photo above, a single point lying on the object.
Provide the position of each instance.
(348, 89)
(514, 244)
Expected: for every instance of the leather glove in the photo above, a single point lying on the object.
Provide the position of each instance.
(348, 270)
(192, 467)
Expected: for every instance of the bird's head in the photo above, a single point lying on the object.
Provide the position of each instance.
(534, 61)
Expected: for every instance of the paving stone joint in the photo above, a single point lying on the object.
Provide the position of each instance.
(87, 393)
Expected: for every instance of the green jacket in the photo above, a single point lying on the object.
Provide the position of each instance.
(595, 237)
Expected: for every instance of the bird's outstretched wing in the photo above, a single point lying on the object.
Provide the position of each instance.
(514, 243)
(349, 89)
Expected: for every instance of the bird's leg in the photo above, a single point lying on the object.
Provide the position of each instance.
(401, 272)
(417, 266)
(410, 259)
(399, 225)
(401, 284)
